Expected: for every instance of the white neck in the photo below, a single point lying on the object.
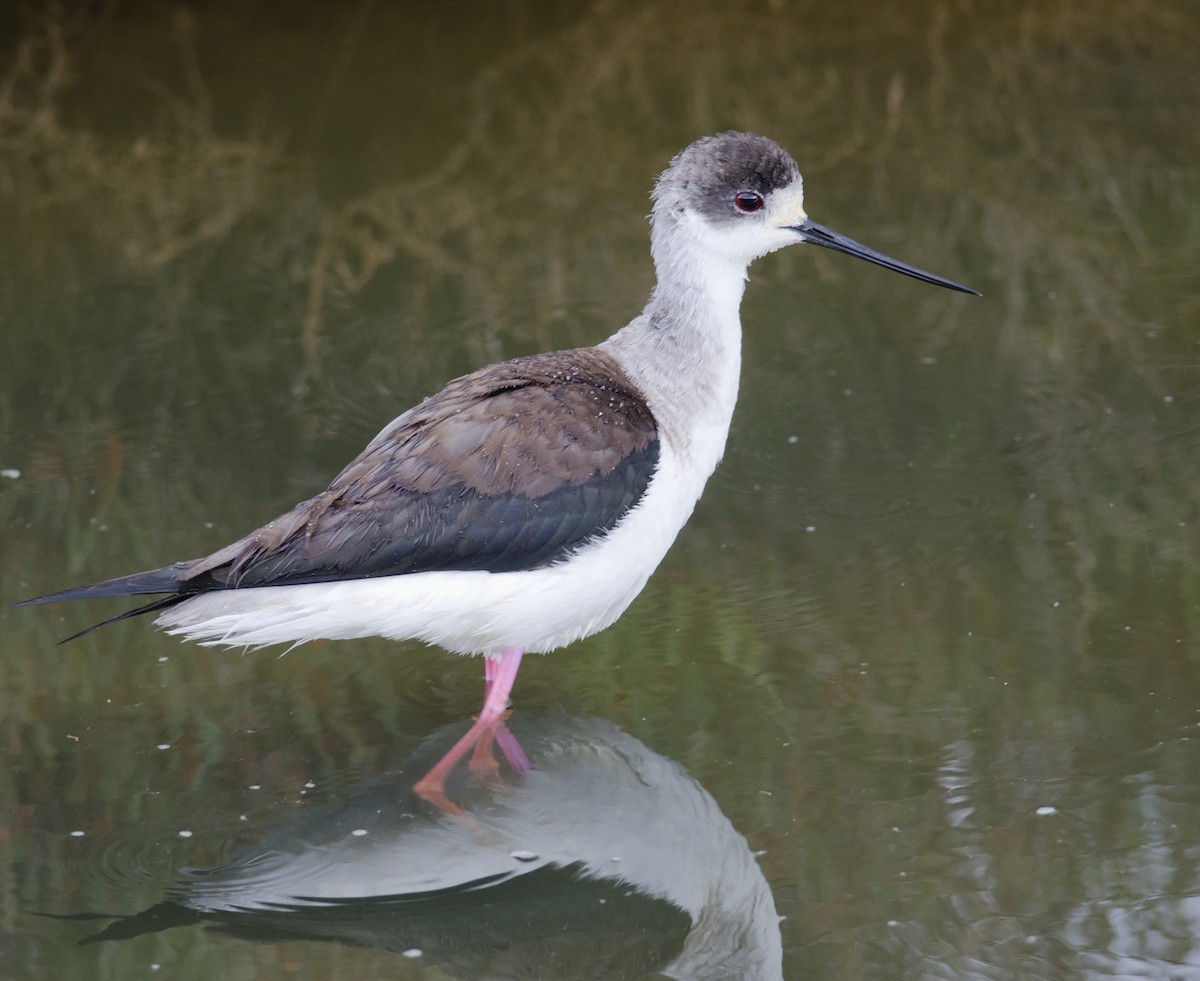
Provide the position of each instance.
(684, 351)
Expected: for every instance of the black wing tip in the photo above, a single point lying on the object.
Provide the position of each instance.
(166, 580)
(158, 604)
(39, 600)
(169, 579)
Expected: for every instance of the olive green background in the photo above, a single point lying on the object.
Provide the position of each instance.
(930, 640)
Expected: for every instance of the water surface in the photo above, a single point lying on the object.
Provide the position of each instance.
(925, 655)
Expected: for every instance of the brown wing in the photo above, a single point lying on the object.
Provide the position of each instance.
(508, 468)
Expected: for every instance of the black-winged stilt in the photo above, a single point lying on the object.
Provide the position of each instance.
(525, 505)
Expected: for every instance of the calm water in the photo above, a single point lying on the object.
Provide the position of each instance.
(922, 675)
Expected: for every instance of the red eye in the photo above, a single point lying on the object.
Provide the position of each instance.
(748, 201)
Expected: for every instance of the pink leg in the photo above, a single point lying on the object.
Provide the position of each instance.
(481, 758)
(512, 749)
(499, 676)
(489, 673)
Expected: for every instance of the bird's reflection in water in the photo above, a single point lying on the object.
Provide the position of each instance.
(604, 860)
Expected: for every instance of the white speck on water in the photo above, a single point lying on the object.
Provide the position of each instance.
(78, 834)
(793, 439)
(10, 474)
(163, 658)
(309, 784)
(359, 832)
(163, 746)
(810, 528)
(1046, 810)
(1168, 398)
(185, 833)
(256, 786)
(412, 953)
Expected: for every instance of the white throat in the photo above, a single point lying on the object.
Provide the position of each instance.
(684, 350)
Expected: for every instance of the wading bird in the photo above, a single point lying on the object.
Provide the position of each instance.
(524, 505)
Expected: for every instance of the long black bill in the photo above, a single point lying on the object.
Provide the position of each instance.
(816, 234)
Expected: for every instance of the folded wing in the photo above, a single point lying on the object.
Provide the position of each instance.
(509, 468)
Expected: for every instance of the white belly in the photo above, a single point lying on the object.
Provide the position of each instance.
(465, 612)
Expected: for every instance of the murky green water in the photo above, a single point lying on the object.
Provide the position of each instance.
(929, 647)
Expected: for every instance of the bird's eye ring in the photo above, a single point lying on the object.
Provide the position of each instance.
(748, 201)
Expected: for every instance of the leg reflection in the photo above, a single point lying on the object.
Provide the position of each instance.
(489, 727)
